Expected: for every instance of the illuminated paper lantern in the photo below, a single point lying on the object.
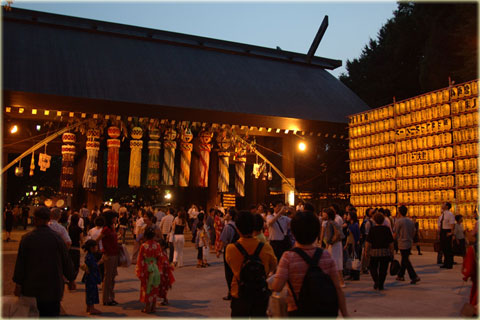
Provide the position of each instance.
(135, 169)
(113, 146)
(89, 181)
(169, 146)
(205, 148)
(154, 146)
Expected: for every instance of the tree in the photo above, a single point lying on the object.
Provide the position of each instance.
(415, 52)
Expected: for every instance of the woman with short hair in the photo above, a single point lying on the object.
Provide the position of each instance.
(379, 246)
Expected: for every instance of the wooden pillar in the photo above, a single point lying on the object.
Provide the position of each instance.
(288, 161)
(4, 181)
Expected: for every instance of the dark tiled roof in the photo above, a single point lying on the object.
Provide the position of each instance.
(66, 56)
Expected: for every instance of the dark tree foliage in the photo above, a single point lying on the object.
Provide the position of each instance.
(416, 51)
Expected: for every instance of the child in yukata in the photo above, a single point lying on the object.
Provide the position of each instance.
(92, 276)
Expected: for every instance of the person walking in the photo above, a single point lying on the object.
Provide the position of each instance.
(404, 232)
(76, 234)
(379, 247)
(8, 221)
(41, 266)
(278, 227)
(246, 300)
(58, 228)
(25, 211)
(209, 221)
(334, 243)
(458, 239)
(365, 227)
(202, 242)
(228, 235)
(352, 246)
(166, 228)
(446, 223)
(178, 226)
(292, 267)
(138, 232)
(110, 257)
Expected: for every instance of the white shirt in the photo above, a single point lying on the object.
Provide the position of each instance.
(193, 213)
(448, 221)
(159, 215)
(274, 232)
(139, 224)
(338, 220)
(58, 228)
(93, 234)
(166, 224)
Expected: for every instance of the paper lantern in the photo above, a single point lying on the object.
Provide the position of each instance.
(240, 160)
(224, 142)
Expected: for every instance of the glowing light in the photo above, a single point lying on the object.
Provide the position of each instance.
(38, 127)
(14, 129)
(168, 196)
(34, 111)
(302, 146)
(46, 112)
(291, 198)
(34, 188)
(20, 110)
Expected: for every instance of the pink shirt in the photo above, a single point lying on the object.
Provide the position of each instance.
(292, 267)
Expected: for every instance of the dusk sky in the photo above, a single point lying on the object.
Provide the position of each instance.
(291, 26)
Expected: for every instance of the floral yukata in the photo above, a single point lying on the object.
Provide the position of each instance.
(154, 272)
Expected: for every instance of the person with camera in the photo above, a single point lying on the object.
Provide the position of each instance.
(278, 227)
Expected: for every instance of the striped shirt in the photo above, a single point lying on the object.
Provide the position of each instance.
(293, 268)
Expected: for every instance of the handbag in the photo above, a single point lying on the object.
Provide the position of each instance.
(123, 257)
(356, 263)
(394, 267)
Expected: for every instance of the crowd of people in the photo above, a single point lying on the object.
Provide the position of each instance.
(264, 249)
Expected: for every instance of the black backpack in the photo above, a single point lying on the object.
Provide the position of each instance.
(253, 280)
(318, 295)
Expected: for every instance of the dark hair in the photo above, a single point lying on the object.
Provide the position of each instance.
(109, 216)
(42, 213)
(99, 222)
(89, 245)
(149, 233)
(402, 210)
(378, 218)
(307, 206)
(367, 211)
(148, 214)
(353, 216)
(449, 205)
(277, 202)
(387, 213)
(211, 210)
(63, 217)
(218, 213)
(171, 210)
(258, 222)
(200, 216)
(199, 225)
(244, 221)
(182, 216)
(381, 210)
(233, 213)
(458, 217)
(336, 208)
(305, 227)
(330, 213)
(74, 220)
(270, 210)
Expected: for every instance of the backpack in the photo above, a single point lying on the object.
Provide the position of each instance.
(252, 284)
(318, 295)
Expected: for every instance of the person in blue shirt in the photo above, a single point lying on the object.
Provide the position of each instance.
(92, 277)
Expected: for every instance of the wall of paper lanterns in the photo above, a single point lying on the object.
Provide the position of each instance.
(418, 152)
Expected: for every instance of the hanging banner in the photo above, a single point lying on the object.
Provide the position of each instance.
(113, 145)
(68, 156)
(154, 146)
(186, 156)
(224, 142)
(240, 160)
(169, 146)
(205, 148)
(136, 145)
(90, 174)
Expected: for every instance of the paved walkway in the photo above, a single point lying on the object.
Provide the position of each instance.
(198, 292)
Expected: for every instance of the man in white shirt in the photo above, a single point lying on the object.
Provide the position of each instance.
(55, 214)
(446, 223)
(159, 215)
(166, 228)
(278, 225)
